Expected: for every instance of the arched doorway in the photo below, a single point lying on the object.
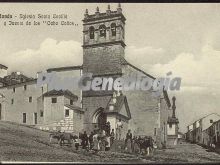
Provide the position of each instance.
(100, 118)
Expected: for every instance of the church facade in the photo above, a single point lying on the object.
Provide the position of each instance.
(103, 56)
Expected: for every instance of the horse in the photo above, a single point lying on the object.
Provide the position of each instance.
(55, 135)
(146, 144)
(61, 137)
(68, 137)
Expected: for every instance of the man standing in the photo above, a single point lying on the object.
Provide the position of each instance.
(108, 128)
(119, 129)
(84, 140)
(102, 140)
(91, 140)
(112, 137)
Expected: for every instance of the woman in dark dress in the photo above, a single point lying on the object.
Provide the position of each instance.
(128, 142)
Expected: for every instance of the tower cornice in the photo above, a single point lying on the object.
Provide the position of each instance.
(101, 16)
(104, 44)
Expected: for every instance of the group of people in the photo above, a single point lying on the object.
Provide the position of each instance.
(101, 140)
(139, 145)
(97, 140)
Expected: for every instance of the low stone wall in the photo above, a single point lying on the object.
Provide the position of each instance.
(65, 125)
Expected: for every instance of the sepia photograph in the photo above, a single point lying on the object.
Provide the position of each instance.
(110, 83)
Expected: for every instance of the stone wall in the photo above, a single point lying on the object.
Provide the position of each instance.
(103, 60)
(91, 105)
(14, 112)
(53, 111)
(149, 114)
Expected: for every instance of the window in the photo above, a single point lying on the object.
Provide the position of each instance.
(113, 29)
(71, 102)
(91, 32)
(24, 117)
(211, 121)
(12, 101)
(67, 113)
(30, 99)
(102, 30)
(155, 131)
(54, 100)
(25, 87)
(41, 113)
(14, 89)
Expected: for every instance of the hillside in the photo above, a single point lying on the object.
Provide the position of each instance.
(22, 143)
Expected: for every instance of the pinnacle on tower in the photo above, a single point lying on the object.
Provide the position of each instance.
(119, 5)
(108, 11)
(119, 9)
(97, 11)
(86, 13)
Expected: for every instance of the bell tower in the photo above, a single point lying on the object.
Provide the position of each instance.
(103, 41)
(103, 54)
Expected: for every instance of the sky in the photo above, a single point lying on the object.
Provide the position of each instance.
(181, 38)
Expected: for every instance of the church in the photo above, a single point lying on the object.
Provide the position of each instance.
(76, 110)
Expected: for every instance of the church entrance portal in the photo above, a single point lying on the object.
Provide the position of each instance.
(100, 118)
